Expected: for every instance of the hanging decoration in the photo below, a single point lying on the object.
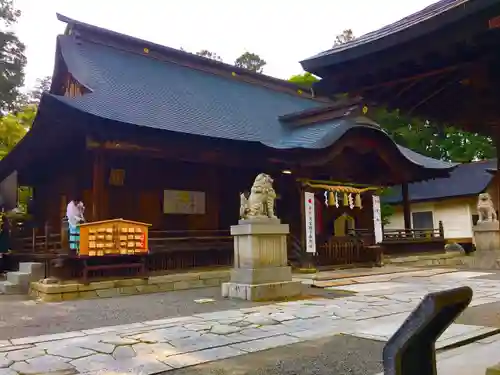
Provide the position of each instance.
(332, 200)
(351, 201)
(357, 201)
(351, 195)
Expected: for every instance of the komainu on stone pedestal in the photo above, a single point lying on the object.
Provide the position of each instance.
(260, 203)
(486, 235)
(485, 209)
(261, 270)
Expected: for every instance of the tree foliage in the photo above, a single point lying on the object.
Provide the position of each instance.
(13, 128)
(433, 140)
(250, 61)
(33, 96)
(42, 85)
(209, 55)
(305, 80)
(12, 58)
(344, 37)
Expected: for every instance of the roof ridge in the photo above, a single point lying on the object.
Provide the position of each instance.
(255, 78)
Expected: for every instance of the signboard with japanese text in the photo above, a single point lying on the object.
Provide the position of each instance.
(310, 222)
(184, 202)
(377, 219)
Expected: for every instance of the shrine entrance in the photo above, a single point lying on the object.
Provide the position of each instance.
(343, 222)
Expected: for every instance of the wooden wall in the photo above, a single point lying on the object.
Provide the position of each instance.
(145, 179)
(141, 195)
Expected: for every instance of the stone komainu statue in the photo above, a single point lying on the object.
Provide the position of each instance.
(260, 203)
(485, 209)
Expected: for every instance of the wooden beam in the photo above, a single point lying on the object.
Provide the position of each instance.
(406, 206)
(98, 185)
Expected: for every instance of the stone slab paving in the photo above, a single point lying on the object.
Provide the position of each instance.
(334, 355)
(375, 311)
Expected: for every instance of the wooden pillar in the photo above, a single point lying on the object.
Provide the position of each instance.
(496, 179)
(406, 206)
(97, 185)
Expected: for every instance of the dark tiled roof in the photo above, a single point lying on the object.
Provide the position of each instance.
(465, 179)
(134, 88)
(433, 17)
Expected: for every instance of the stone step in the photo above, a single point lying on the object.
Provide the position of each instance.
(6, 287)
(19, 278)
(30, 267)
(36, 270)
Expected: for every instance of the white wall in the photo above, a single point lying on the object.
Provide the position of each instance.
(456, 215)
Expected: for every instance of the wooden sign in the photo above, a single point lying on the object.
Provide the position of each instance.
(117, 177)
(184, 202)
(377, 219)
(113, 237)
(310, 222)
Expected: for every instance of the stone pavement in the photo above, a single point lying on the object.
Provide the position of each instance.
(375, 312)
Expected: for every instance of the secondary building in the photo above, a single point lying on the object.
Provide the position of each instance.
(450, 200)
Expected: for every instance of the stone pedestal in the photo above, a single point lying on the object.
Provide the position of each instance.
(487, 236)
(261, 270)
(487, 240)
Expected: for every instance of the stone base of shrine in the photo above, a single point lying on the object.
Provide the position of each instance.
(262, 292)
(72, 290)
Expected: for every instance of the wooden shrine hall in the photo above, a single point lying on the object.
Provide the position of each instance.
(440, 63)
(164, 137)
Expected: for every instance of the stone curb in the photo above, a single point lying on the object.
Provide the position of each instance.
(126, 287)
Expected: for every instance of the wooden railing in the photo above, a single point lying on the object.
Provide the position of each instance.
(25, 238)
(168, 240)
(414, 235)
(169, 251)
(408, 241)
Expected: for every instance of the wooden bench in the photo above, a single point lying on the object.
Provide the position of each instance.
(69, 262)
(140, 266)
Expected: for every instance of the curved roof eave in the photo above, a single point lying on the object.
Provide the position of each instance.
(316, 136)
(467, 179)
(419, 24)
(326, 134)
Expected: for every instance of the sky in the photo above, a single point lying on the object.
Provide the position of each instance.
(282, 32)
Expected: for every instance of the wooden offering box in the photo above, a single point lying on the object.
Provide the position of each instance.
(113, 237)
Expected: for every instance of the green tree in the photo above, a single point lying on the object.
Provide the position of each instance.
(209, 55)
(344, 37)
(42, 85)
(12, 59)
(250, 61)
(13, 128)
(436, 141)
(305, 80)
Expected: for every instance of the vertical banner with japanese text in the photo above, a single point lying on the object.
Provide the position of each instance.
(377, 219)
(310, 222)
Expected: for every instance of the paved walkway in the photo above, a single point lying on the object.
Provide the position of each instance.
(381, 304)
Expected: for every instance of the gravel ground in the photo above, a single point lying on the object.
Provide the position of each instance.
(21, 317)
(336, 355)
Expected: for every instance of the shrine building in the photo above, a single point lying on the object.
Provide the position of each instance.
(156, 135)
